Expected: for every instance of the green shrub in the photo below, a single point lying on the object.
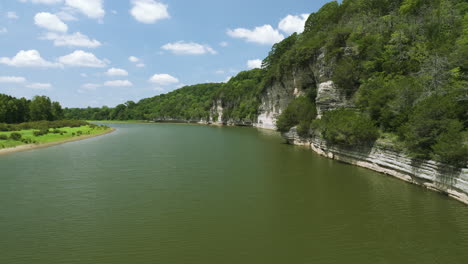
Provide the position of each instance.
(300, 111)
(3, 137)
(15, 136)
(347, 127)
(26, 140)
(451, 145)
(41, 132)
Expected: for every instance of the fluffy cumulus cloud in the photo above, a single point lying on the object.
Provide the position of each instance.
(81, 58)
(253, 64)
(27, 58)
(3, 30)
(40, 86)
(265, 35)
(163, 79)
(188, 48)
(291, 24)
(136, 60)
(149, 11)
(12, 79)
(90, 8)
(116, 72)
(71, 40)
(50, 22)
(133, 59)
(118, 83)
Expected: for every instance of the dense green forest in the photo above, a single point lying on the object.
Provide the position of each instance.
(401, 65)
(14, 110)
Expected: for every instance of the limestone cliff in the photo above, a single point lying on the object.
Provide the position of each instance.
(384, 158)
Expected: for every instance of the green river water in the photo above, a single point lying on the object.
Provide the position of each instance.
(168, 193)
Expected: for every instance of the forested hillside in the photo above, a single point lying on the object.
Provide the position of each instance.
(400, 65)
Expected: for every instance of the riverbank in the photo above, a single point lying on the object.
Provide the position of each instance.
(27, 147)
(382, 158)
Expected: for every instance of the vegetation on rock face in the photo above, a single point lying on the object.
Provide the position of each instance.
(403, 63)
(240, 96)
(347, 127)
(299, 112)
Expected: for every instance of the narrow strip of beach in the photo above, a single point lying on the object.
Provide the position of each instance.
(50, 144)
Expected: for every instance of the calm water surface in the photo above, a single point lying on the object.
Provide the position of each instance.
(164, 193)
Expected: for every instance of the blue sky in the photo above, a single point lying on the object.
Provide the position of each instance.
(102, 52)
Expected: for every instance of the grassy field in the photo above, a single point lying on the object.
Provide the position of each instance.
(119, 122)
(65, 133)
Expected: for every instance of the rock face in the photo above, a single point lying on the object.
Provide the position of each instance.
(384, 159)
(280, 93)
(216, 113)
(328, 98)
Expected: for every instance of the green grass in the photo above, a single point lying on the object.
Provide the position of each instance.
(68, 133)
(118, 121)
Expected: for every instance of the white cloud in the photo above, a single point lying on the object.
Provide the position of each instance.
(116, 72)
(72, 40)
(40, 86)
(84, 75)
(136, 60)
(220, 72)
(50, 22)
(254, 64)
(224, 44)
(291, 24)
(261, 35)
(27, 58)
(189, 48)
(12, 79)
(3, 30)
(118, 83)
(159, 89)
(149, 11)
(133, 59)
(90, 8)
(47, 2)
(66, 16)
(81, 58)
(227, 79)
(90, 86)
(163, 79)
(12, 15)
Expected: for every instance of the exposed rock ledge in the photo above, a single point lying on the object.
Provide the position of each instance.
(430, 174)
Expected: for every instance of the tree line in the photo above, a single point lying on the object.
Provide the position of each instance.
(14, 110)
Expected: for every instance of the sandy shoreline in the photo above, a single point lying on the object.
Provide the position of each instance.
(50, 144)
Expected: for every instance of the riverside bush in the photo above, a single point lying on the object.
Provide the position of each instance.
(347, 127)
(301, 111)
(3, 137)
(41, 132)
(15, 136)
